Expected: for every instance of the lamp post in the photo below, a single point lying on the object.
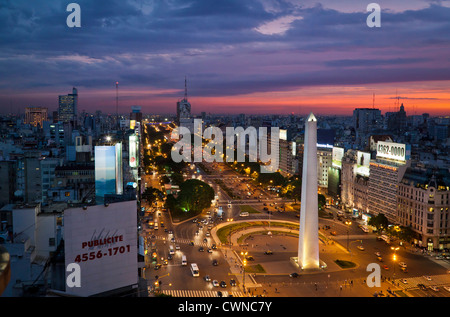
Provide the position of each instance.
(244, 264)
(394, 258)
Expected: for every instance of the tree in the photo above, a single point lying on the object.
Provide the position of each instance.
(379, 221)
(293, 190)
(151, 194)
(195, 196)
(322, 200)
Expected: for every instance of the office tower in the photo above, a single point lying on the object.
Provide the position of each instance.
(67, 110)
(308, 243)
(183, 108)
(35, 116)
(386, 172)
(366, 119)
(136, 114)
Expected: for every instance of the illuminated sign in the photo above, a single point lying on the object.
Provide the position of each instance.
(390, 150)
(337, 155)
(133, 151)
(363, 163)
(108, 171)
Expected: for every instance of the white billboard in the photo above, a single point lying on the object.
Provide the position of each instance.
(363, 163)
(336, 159)
(391, 150)
(133, 150)
(102, 240)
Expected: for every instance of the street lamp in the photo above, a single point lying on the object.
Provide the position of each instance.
(394, 258)
(244, 264)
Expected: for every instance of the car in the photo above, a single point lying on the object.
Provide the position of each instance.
(404, 269)
(360, 247)
(172, 240)
(380, 259)
(385, 267)
(215, 283)
(447, 288)
(209, 250)
(201, 249)
(268, 252)
(422, 287)
(207, 278)
(223, 284)
(434, 288)
(333, 233)
(213, 246)
(295, 274)
(157, 266)
(215, 263)
(232, 282)
(404, 281)
(191, 243)
(378, 254)
(428, 278)
(177, 247)
(402, 264)
(169, 257)
(219, 294)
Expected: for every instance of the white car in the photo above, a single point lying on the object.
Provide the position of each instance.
(447, 288)
(402, 264)
(215, 283)
(404, 281)
(428, 278)
(434, 288)
(377, 253)
(360, 247)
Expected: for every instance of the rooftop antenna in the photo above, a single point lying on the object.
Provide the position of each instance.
(117, 104)
(185, 88)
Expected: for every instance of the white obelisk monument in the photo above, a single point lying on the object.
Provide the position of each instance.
(308, 243)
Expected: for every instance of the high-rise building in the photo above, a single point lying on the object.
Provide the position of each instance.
(386, 172)
(184, 108)
(67, 110)
(35, 116)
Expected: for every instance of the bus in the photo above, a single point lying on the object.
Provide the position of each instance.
(183, 260)
(194, 270)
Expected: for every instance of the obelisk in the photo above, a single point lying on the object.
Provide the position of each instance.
(308, 243)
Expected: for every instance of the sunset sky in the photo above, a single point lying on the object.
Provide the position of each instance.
(239, 56)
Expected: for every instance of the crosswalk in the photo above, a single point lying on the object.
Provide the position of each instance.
(200, 293)
(437, 280)
(197, 242)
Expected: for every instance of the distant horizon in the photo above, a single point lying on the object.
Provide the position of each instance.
(252, 56)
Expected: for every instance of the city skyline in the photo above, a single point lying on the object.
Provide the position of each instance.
(260, 57)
